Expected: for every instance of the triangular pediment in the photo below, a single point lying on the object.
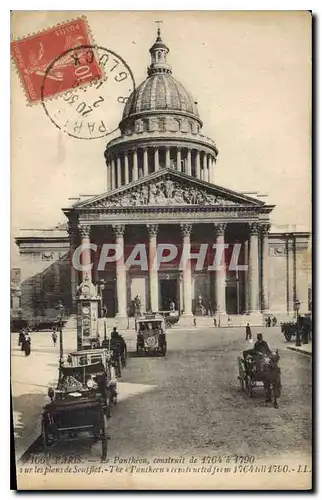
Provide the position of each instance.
(169, 187)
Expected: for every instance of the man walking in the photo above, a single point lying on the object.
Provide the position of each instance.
(248, 332)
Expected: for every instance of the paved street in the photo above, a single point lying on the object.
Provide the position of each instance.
(188, 402)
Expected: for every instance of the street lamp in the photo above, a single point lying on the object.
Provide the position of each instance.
(101, 286)
(297, 306)
(60, 316)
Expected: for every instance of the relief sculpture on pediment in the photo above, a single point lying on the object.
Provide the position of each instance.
(164, 192)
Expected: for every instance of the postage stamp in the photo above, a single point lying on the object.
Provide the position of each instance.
(89, 111)
(33, 55)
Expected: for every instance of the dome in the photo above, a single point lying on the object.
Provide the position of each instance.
(160, 92)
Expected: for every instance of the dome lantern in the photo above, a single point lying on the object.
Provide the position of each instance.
(159, 52)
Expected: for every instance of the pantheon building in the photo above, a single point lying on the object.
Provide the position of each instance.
(161, 189)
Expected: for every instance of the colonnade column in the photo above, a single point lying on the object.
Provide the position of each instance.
(120, 271)
(153, 269)
(72, 232)
(167, 157)
(265, 269)
(113, 180)
(145, 162)
(179, 159)
(135, 171)
(198, 173)
(84, 232)
(119, 171)
(253, 271)
(156, 159)
(126, 168)
(209, 176)
(220, 278)
(186, 271)
(213, 166)
(204, 168)
(188, 162)
(108, 175)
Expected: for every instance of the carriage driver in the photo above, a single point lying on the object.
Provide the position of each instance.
(260, 348)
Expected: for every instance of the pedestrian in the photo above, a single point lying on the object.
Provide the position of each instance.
(269, 321)
(266, 321)
(194, 322)
(248, 332)
(274, 321)
(54, 336)
(215, 322)
(228, 321)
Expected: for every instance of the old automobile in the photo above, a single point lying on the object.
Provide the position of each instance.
(78, 408)
(151, 334)
(97, 364)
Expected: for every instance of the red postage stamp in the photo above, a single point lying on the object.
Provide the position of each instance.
(35, 58)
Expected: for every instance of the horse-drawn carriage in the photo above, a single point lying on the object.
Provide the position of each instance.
(301, 327)
(151, 334)
(256, 369)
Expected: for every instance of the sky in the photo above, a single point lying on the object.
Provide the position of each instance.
(250, 73)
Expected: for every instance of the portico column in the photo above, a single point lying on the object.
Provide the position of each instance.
(220, 274)
(126, 168)
(135, 171)
(186, 271)
(119, 171)
(145, 162)
(120, 271)
(246, 287)
(198, 173)
(72, 232)
(153, 269)
(113, 180)
(208, 177)
(253, 272)
(84, 232)
(204, 169)
(179, 159)
(167, 157)
(156, 159)
(265, 270)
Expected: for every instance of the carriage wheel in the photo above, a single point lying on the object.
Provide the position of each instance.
(241, 376)
(241, 382)
(44, 441)
(249, 386)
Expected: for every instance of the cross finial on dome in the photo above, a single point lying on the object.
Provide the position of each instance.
(159, 30)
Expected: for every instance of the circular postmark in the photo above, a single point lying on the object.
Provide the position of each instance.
(91, 107)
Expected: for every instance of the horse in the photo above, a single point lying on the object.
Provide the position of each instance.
(264, 368)
(271, 377)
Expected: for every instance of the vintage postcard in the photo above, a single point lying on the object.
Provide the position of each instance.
(161, 296)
